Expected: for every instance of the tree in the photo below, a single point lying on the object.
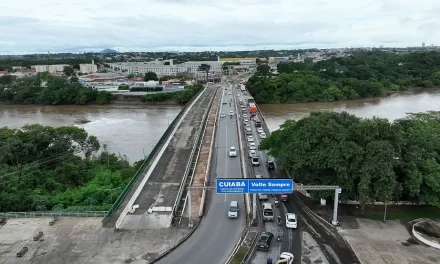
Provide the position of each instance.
(68, 71)
(263, 69)
(205, 67)
(150, 76)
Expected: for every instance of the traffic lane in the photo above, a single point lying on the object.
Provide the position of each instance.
(217, 235)
(291, 237)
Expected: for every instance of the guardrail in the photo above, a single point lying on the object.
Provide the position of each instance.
(198, 141)
(53, 214)
(147, 160)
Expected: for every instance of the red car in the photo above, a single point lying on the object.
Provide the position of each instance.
(284, 197)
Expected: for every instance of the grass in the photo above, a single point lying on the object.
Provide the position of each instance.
(406, 213)
(239, 255)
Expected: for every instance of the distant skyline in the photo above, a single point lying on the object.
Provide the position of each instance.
(227, 25)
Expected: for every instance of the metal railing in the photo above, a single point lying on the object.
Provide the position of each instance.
(195, 149)
(165, 135)
(50, 214)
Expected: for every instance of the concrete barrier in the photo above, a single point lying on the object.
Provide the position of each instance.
(424, 240)
(197, 144)
(208, 165)
(153, 165)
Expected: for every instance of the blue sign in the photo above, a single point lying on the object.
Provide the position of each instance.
(269, 186)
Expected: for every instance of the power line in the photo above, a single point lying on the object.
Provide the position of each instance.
(60, 158)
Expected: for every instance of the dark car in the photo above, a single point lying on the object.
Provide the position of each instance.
(270, 165)
(264, 241)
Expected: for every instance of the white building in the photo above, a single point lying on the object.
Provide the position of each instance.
(49, 68)
(160, 69)
(88, 68)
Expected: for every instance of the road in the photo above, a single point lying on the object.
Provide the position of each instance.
(216, 237)
(291, 239)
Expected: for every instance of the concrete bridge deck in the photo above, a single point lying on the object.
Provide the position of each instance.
(162, 186)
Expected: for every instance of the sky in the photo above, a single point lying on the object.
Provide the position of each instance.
(35, 26)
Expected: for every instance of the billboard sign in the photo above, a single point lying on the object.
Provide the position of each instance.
(267, 186)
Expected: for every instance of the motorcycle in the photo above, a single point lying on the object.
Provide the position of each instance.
(276, 203)
(278, 235)
(279, 220)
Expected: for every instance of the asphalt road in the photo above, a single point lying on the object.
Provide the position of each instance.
(291, 238)
(217, 235)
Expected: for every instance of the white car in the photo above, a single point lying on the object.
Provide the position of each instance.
(252, 146)
(222, 115)
(291, 220)
(232, 152)
(245, 115)
(247, 125)
(260, 130)
(252, 153)
(250, 139)
(245, 120)
(263, 197)
(255, 161)
(263, 135)
(286, 258)
(231, 113)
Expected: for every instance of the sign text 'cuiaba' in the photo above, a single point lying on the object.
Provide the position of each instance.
(225, 186)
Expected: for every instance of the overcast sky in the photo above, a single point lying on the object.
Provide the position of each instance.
(195, 25)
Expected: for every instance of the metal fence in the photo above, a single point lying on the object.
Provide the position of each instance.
(53, 214)
(146, 162)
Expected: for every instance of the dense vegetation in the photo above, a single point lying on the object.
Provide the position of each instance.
(180, 96)
(46, 89)
(44, 168)
(364, 74)
(371, 159)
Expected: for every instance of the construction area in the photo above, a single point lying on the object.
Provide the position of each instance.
(156, 192)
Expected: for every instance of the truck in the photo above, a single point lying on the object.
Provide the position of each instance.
(252, 108)
(242, 88)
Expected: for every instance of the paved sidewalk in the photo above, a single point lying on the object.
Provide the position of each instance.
(83, 240)
(376, 242)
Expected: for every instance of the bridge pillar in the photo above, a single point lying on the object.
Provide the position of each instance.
(190, 222)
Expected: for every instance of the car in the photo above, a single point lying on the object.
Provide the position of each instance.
(222, 115)
(258, 177)
(255, 161)
(245, 121)
(260, 130)
(264, 241)
(252, 153)
(224, 102)
(245, 115)
(263, 197)
(231, 113)
(252, 146)
(250, 138)
(263, 135)
(270, 165)
(229, 93)
(232, 152)
(285, 258)
(291, 220)
(284, 197)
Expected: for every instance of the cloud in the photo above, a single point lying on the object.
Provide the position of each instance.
(186, 25)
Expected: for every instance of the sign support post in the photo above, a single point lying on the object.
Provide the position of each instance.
(335, 206)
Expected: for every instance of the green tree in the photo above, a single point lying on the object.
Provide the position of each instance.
(205, 67)
(150, 76)
(69, 71)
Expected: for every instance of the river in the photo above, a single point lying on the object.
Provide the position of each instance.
(131, 130)
(391, 107)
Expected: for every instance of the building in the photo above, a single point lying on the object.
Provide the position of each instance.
(159, 67)
(49, 68)
(423, 44)
(88, 68)
(242, 61)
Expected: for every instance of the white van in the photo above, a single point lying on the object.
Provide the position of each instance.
(267, 212)
(233, 210)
